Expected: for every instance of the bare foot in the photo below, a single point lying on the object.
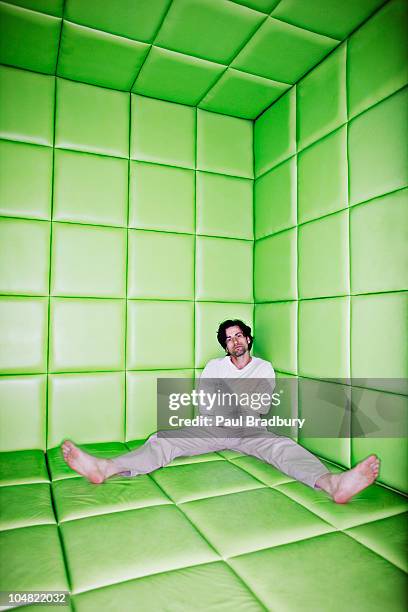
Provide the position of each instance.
(94, 469)
(342, 487)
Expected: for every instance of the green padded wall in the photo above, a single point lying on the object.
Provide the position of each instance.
(331, 230)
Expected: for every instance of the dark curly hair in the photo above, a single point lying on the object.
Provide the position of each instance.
(222, 336)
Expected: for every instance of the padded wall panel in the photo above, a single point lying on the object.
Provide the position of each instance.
(322, 176)
(276, 334)
(92, 119)
(99, 58)
(275, 196)
(323, 268)
(88, 261)
(22, 401)
(90, 188)
(275, 267)
(24, 263)
(282, 52)
(160, 335)
(321, 99)
(224, 144)
(25, 180)
(27, 102)
(40, 31)
(161, 197)
(51, 7)
(160, 265)
(393, 452)
(224, 206)
(379, 236)
(324, 338)
(139, 20)
(223, 270)
(378, 156)
(377, 57)
(23, 327)
(187, 78)
(162, 132)
(85, 408)
(378, 342)
(208, 316)
(86, 334)
(275, 133)
(141, 401)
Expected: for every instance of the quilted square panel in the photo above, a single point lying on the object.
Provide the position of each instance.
(282, 52)
(51, 7)
(324, 257)
(224, 206)
(162, 132)
(276, 334)
(201, 587)
(22, 400)
(141, 401)
(160, 265)
(335, 18)
(88, 261)
(326, 408)
(269, 518)
(377, 57)
(85, 408)
(90, 188)
(39, 31)
(322, 176)
(31, 558)
(86, 334)
(223, 270)
(161, 197)
(378, 156)
(160, 335)
(392, 452)
(25, 180)
(138, 20)
(27, 102)
(242, 94)
(198, 27)
(76, 498)
(92, 119)
(204, 479)
(387, 537)
(23, 467)
(23, 327)
(264, 6)
(300, 564)
(208, 317)
(173, 76)
(321, 99)
(324, 328)
(275, 199)
(275, 274)
(379, 236)
(140, 542)
(99, 58)
(26, 505)
(224, 144)
(275, 134)
(378, 344)
(24, 264)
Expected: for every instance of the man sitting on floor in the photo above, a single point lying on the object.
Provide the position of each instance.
(281, 452)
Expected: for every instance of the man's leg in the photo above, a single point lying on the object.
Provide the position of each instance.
(155, 453)
(297, 462)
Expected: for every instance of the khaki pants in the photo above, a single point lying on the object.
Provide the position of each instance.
(281, 452)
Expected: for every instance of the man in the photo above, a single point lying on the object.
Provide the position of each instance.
(281, 452)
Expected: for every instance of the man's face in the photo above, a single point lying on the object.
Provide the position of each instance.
(237, 343)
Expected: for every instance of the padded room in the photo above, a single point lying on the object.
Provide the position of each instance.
(167, 165)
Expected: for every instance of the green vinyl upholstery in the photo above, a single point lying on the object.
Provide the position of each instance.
(165, 165)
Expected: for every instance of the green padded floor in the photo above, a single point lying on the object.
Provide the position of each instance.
(221, 531)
